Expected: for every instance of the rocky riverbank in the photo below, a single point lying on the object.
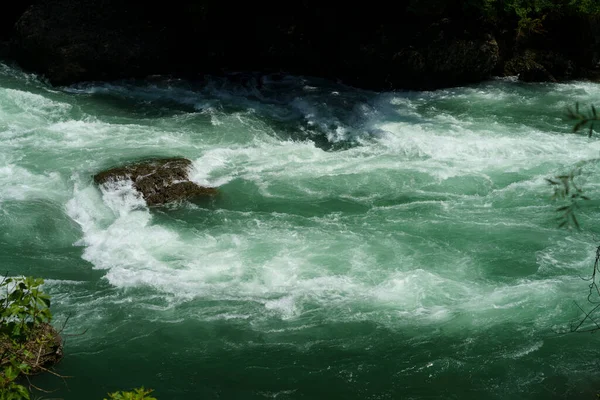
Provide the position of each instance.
(381, 46)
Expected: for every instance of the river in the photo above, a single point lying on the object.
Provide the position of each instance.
(363, 246)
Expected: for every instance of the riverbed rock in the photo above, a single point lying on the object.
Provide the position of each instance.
(160, 181)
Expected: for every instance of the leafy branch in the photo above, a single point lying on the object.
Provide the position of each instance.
(136, 394)
(584, 119)
(28, 343)
(565, 188)
(593, 293)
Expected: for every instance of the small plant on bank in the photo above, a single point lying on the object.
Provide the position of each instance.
(24, 307)
(28, 343)
(9, 388)
(136, 394)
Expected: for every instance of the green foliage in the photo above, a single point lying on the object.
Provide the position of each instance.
(22, 307)
(526, 16)
(9, 388)
(528, 26)
(529, 14)
(488, 9)
(584, 120)
(24, 313)
(585, 6)
(136, 394)
(565, 186)
(523, 8)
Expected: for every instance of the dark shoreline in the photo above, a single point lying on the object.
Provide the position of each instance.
(380, 47)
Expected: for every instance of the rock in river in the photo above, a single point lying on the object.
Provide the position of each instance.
(160, 181)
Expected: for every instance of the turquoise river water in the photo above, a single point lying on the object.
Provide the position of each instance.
(363, 246)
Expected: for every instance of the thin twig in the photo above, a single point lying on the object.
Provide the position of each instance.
(37, 361)
(54, 373)
(75, 334)
(593, 290)
(38, 388)
(64, 324)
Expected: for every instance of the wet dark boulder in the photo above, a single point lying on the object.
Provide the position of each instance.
(160, 181)
(446, 62)
(528, 67)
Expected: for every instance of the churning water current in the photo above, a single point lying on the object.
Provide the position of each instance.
(364, 245)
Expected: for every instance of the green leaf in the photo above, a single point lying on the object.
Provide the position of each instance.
(575, 221)
(579, 125)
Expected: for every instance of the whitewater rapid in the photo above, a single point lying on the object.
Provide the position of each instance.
(406, 210)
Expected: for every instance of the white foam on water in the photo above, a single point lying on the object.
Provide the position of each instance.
(418, 288)
(122, 197)
(280, 263)
(526, 350)
(259, 162)
(22, 110)
(434, 222)
(119, 236)
(118, 246)
(468, 152)
(169, 90)
(19, 183)
(286, 307)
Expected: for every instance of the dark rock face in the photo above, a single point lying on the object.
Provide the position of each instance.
(11, 12)
(568, 48)
(71, 41)
(527, 67)
(159, 181)
(448, 61)
(381, 46)
(407, 44)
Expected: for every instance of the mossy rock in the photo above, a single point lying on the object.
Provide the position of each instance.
(528, 67)
(160, 181)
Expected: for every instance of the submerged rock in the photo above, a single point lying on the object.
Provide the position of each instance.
(160, 181)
